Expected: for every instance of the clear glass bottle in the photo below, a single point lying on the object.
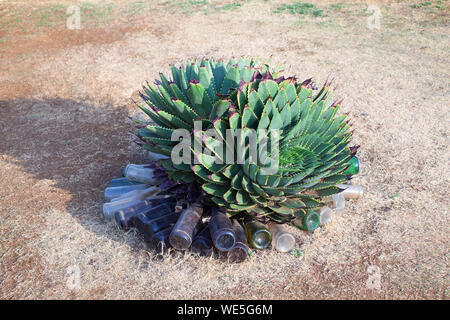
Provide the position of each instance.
(140, 173)
(350, 191)
(221, 229)
(258, 236)
(336, 202)
(184, 230)
(136, 165)
(125, 217)
(114, 192)
(202, 243)
(152, 156)
(282, 240)
(110, 208)
(119, 182)
(239, 252)
(326, 215)
(140, 194)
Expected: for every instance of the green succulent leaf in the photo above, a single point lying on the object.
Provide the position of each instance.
(279, 184)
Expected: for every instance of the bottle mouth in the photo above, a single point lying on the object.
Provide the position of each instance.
(325, 216)
(325, 219)
(238, 253)
(225, 241)
(262, 239)
(180, 241)
(311, 221)
(285, 242)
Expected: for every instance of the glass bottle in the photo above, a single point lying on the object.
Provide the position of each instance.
(353, 166)
(184, 230)
(152, 156)
(221, 230)
(140, 173)
(308, 221)
(136, 165)
(153, 226)
(160, 240)
(118, 182)
(115, 192)
(202, 243)
(336, 202)
(110, 208)
(159, 211)
(140, 194)
(125, 217)
(351, 191)
(325, 215)
(282, 240)
(239, 252)
(258, 235)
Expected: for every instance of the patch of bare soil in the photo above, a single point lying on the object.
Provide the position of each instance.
(64, 107)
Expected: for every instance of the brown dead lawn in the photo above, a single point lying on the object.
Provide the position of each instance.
(64, 107)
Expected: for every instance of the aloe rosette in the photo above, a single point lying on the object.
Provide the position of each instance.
(296, 125)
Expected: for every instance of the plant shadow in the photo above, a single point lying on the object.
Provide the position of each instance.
(75, 145)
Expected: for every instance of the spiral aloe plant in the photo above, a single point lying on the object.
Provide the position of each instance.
(311, 152)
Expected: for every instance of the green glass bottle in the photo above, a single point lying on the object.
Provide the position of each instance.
(258, 236)
(353, 166)
(309, 221)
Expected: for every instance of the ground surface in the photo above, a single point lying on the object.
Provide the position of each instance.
(64, 107)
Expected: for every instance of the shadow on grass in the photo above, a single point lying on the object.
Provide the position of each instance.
(78, 146)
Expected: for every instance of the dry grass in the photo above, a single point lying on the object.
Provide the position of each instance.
(64, 102)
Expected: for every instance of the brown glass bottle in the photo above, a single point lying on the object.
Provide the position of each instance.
(221, 230)
(202, 243)
(239, 252)
(155, 212)
(125, 217)
(153, 226)
(160, 240)
(184, 230)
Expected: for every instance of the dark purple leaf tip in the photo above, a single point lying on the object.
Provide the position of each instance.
(256, 75)
(241, 85)
(225, 96)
